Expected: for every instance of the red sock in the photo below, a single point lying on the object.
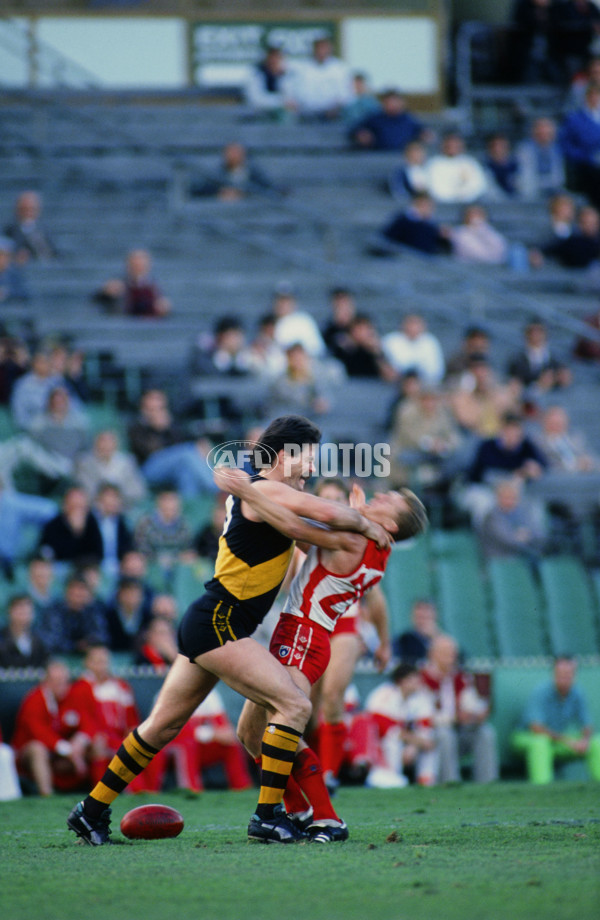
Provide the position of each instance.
(293, 798)
(332, 737)
(308, 774)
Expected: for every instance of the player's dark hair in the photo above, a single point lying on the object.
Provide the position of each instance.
(287, 429)
(415, 520)
(402, 670)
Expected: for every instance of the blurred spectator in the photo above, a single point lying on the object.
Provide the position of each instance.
(514, 526)
(579, 138)
(363, 355)
(479, 401)
(117, 538)
(455, 177)
(502, 167)
(413, 347)
(540, 160)
(423, 438)
(342, 305)
(12, 282)
(164, 535)
(127, 617)
(535, 41)
(62, 429)
(16, 510)
(69, 625)
(39, 584)
(109, 704)
(578, 22)
(267, 89)
(460, 719)
(14, 361)
(73, 535)
(236, 177)
(265, 356)
(52, 736)
(10, 788)
(68, 364)
(206, 541)
(411, 646)
(416, 228)
(224, 352)
(295, 326)
(565, 451)
(165, 606)
(412, 177)
(158, 646)
(476, 241)
(300, 389)
(556, 726)
(364, 103)
(585, 348)
(391, 128)
(105, 464)
(402, 711)
(135, 565)
(322, 86)
(581, 248)
(20, 646)
(137, 294)
(536, 367)
(475, 341)
(27, 232)
(588, 77)
(31, 391)
(163, 450)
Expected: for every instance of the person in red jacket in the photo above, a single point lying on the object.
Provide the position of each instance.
(109, 705)
(53, 733)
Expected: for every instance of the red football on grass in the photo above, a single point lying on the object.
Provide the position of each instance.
(151, 822)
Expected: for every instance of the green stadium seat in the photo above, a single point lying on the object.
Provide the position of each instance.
(407, 578)
(102, 416)
(188, 582)
(569, 606)
(7, 425)
(450, 544)
(517, 608)
(198, 510)
(463, 605)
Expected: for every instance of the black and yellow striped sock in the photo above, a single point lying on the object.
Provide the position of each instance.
(133, 756)
(278, 750)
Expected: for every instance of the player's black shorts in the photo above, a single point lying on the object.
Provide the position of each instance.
(209, 623)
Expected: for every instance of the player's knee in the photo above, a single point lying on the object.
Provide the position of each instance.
(300, 709)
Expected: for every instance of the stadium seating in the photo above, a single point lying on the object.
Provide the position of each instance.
(517, 609)
(570, 610)
(463, 605)
(407, 578)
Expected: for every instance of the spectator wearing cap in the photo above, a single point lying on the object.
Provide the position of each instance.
(391, 128)
(27, 232)
(12, 283)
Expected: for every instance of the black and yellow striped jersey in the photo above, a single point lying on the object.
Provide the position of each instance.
(251, 563)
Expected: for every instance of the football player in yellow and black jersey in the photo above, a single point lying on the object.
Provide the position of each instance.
(215, 636)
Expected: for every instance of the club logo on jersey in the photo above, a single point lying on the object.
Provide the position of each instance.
(284, 651)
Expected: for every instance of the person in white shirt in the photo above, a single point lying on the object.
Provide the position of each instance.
(294, 326)
(414, 348)
(455, 177)
(475, 240)
(322, 86)
(105, 463)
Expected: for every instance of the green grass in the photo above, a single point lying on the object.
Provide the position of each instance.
(507, 852)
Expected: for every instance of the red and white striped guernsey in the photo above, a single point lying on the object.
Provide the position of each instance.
(323, 596)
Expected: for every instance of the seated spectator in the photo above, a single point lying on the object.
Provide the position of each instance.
(460, 719)
(362, 355)
(581, 249)
(479, 401)
(71, 624)
(165, 606)
(105, 464)
(135, 565)
(536, 367)
(541, 171)
(578, 23)
(455, 177)
(62, 429)
(475, 341)
(67, 364)
(391, 128)
(20, 646)
(16, 510)
(556, 726)
(266, 358)
(14, 361)
(127, 617)
(52, 735)
(39, 584)
(321, 87)
(32, 389)
(413, 347)
(300, 389)
(224, 352)
(294, 326)
(137, 294)
(206, 541)
(585, 348)
(73, 535)
(10, 788)
(423, 439)
(412, 178)
(502, 168)
(411, 646)
(12, 283)
(581, 81)
(415, 227)
(565, 451)
(110, 706)
(364, 103)
(476, 241)
(164, 535)
(535, 42)
(164, 451)
(158, 646)
(402, 713)
(27, 232)
(117, 538)
(342, 304)
(267, 88)
(514, 526)
(579, 138)
(236, 178)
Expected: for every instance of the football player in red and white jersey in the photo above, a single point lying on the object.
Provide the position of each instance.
(328, 583)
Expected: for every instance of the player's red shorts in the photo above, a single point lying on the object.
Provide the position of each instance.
(302, 644)
(345, 626)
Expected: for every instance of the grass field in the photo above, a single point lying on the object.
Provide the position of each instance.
(507, 852)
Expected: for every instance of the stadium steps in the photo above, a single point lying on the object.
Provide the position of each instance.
(517, 609)
(571, 617)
